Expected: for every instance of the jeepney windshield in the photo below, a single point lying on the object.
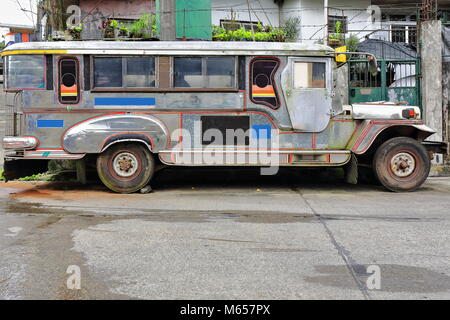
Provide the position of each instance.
(25, 72)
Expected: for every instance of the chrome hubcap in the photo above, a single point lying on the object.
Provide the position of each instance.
(403, 164)
(125, 164)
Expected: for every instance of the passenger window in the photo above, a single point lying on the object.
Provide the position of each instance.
(263, 89)
(69, 90)
(140, 73)
(220, 72)
(207, 72)
(108, 72)
(125, 72)
(188, 72)
(309, 75)
(25, 72)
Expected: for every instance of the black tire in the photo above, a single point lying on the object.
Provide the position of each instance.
(125, 167)
(401, 164)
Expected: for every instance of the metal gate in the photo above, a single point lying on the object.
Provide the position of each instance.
(398, 80)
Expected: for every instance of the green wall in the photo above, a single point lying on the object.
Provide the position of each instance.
(193, 19)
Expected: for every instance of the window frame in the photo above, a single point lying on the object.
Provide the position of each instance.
(328, 73)
(6, 77)
(331, 23)
(124, 69)
(247, 25)
(204, 60)
(275, 85)
(79, 76)
(158, 87)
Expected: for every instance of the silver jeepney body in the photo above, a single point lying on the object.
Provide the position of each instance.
(309, 128)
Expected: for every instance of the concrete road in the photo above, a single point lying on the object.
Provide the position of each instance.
(220, 234)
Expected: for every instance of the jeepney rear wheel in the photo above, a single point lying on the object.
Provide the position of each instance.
(125, 167)
(401, 164)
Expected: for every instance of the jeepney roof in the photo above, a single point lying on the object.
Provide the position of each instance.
(169, 48)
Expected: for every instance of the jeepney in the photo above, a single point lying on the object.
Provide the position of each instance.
(131, 106)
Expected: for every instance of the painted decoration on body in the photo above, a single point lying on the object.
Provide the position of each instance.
(47, 123)
(116, 102)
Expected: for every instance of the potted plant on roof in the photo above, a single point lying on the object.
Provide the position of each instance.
(109, 28)
(144, 28)
(336, 39)
(123, 32)
(74, 32)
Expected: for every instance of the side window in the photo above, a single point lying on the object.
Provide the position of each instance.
(25, 72)
(205, 72)
(309, 75)
(108, 72)
(124, 72)
(69, 88)
(187, 73)
(263, 89)
(139, 72)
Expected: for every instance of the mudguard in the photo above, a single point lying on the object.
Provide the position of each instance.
(368, 130)
(94, 135)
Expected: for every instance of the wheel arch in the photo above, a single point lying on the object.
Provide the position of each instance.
(128, 137)
(93, 135)
(417, 132)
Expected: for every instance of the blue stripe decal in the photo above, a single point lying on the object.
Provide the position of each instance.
(124, 101)
(262, 131)
(50, 123)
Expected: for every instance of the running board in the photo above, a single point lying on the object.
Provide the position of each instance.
(229, 157)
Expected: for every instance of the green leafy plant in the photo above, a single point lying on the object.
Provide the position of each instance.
(259, 34)
(292, 28)
(123, 30)
(75, 31)
(144, 28)
(336, 38)
(2, 178)
(352, 43)
(109, 28)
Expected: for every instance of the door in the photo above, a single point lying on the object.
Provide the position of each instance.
(307, 87)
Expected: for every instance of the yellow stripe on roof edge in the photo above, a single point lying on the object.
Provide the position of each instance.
(7, 53)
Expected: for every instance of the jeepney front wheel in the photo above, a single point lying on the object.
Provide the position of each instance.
(125, 167)
(401, 164)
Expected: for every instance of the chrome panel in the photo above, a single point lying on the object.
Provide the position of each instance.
(15, 143)
(381, 111)
(309, 108)
(90, 136)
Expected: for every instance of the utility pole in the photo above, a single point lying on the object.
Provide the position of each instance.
(167, 20)
(325, 21)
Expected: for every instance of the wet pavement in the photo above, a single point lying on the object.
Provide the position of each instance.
(226, 234)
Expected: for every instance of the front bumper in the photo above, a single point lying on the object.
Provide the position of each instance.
(19, 143)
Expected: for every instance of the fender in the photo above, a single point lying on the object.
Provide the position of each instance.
(368, 131)
(97, 134)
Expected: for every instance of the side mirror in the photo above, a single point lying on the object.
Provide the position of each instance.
(373, 65)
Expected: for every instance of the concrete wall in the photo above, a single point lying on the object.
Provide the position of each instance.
(93, 13)
(431, 56)
(312, 16)
(342, 83)
(267, 12)
(310, 12)
(2, 124)
(446, 100)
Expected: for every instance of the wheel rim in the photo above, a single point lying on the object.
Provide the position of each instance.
(125, 164)
(403, 164)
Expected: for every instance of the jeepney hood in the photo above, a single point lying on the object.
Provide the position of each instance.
(381, 111)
